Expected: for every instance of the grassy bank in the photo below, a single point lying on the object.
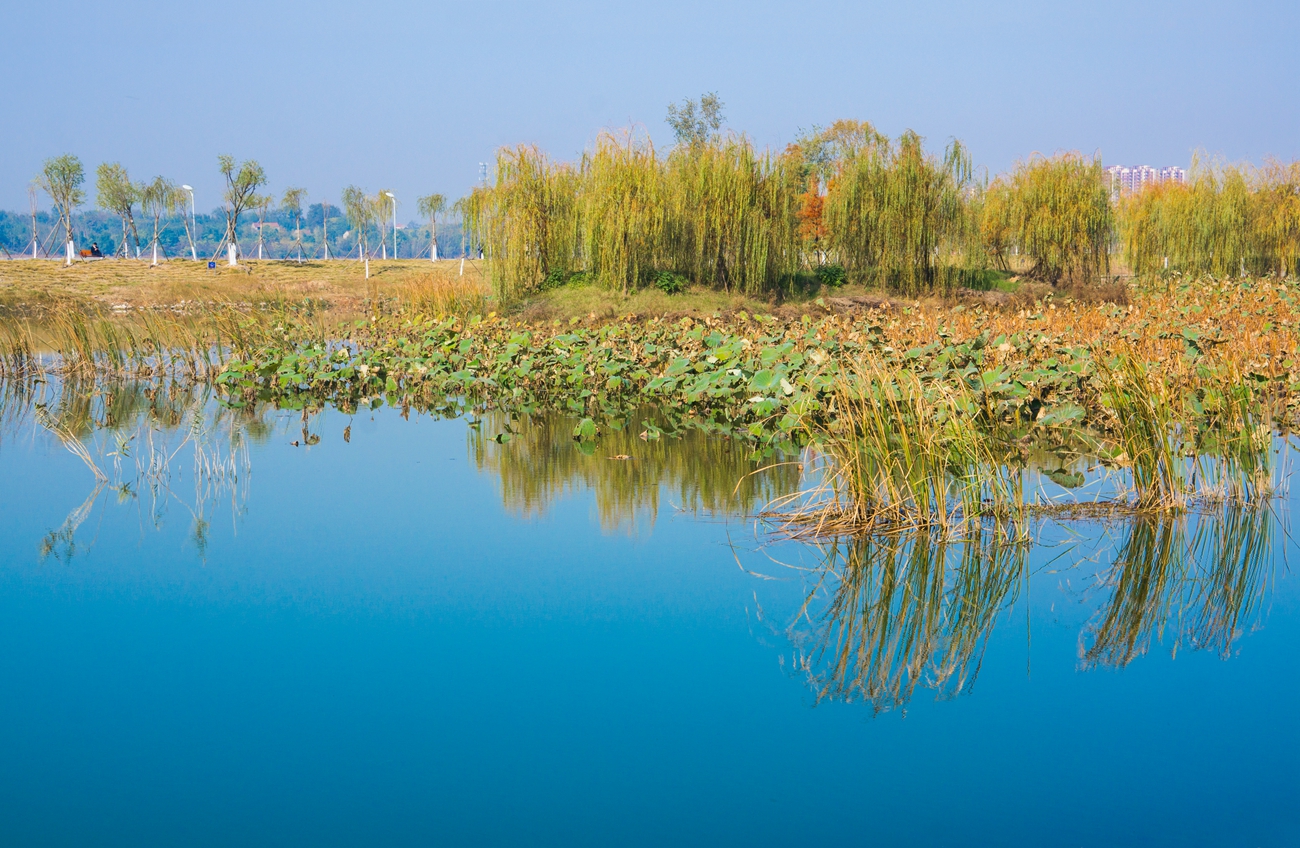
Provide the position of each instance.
(30, 285)
(30, 288)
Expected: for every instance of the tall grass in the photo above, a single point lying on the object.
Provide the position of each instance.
(443, 292)
(71, 340)
(900, 454)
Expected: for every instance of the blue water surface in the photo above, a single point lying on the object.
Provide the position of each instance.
(372, 648)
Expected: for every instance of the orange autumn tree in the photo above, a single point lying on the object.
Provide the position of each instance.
(816, 159)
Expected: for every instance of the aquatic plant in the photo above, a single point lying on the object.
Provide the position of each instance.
(898, 454)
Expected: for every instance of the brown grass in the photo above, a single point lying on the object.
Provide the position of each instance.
(30, 286)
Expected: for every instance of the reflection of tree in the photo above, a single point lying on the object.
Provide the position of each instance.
(889, 612)
(1203, 586)
(541, 462)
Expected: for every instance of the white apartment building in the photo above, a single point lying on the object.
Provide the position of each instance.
(1126, 179)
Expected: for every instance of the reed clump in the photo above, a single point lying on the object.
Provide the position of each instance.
(1177, 458)
(897, 453)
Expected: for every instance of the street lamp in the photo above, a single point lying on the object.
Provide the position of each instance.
(394, 199)
(194, 225)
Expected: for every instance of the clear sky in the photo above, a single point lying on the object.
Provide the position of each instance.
(411, 96)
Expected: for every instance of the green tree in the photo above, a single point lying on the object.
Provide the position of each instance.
(291, 204)
(62, 178)
(114, 192)
(431, 206)
(694, 123)
(157, 199)
(360, 211)
(242, 182)
(264, 202)
(383, 210)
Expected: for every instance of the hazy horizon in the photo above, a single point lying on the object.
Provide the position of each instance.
(411, 98)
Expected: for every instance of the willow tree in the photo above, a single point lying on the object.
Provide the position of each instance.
(992, 212)
(431, 206)
(360, 211)
(114, 192)
(62, 178)
(896, 213)
(1058, 213)
(1276, 218)
(526, 220)
(621, 209)
(1226, 220)
(242, 182)
(157, 199)
(291, 204)
(731, 221)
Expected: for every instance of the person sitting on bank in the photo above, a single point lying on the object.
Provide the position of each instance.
(94, 249)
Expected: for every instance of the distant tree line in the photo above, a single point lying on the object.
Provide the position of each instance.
(848, 204)
(153, 220)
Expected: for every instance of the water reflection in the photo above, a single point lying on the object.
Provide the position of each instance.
(628, 475)
(887, 614)
(160, 445)
(1200, 586)
(883, 616)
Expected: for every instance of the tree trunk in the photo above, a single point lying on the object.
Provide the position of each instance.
(433, 236)
(231, 254)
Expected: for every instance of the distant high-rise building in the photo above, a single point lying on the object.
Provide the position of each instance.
(1128, 179)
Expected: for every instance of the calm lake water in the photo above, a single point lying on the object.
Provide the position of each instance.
(421, 636)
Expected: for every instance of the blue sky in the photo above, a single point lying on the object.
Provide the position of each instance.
(411, 96)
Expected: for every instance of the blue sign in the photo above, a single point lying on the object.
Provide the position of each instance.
(212, 264)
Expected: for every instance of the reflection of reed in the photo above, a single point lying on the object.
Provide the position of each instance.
(130, 435)
(704, 473)
(1201, 586)
(889, 612)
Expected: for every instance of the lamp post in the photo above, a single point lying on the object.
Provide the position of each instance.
(194, 225)
(394, 199)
